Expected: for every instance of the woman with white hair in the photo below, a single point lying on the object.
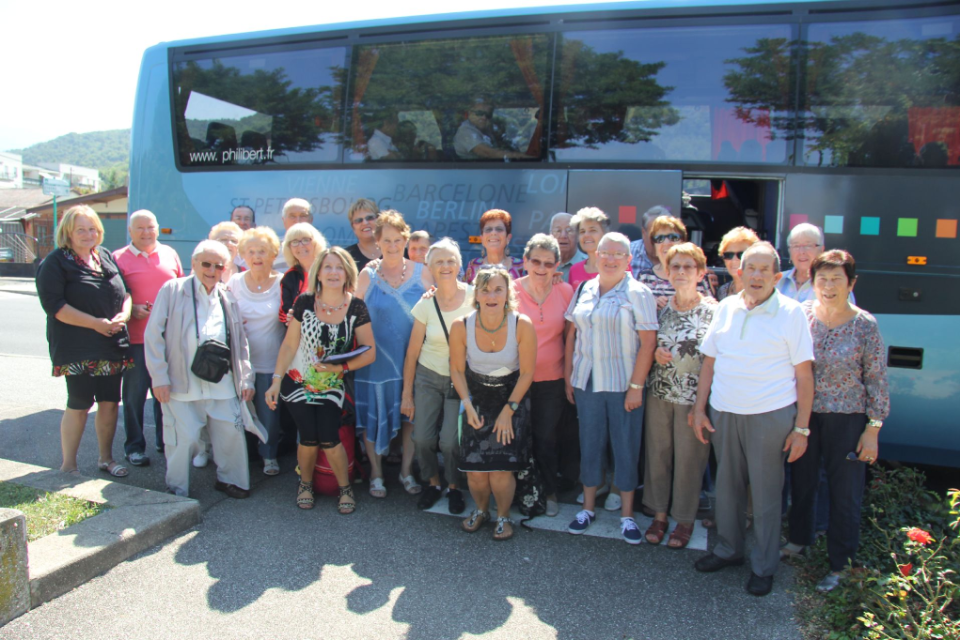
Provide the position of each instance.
(428, 397)
(609, 350)
(199, 360)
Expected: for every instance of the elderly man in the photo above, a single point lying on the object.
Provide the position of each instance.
(805, 243)
(245, 218)
(191, 313)
(145, 265)
(294, 210)
(566, 235)
(758, 375)
(643, 255)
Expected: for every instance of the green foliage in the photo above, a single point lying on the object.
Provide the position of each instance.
(98, 149)
(46, 512)
(904, 586)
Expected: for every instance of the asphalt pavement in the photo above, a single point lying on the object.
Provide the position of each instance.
(261, 568)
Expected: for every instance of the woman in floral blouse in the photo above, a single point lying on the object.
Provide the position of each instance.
(850, 402)
(326, 321)
(675, 458)
(87, 306)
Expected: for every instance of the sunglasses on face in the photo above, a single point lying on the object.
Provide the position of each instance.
(730, 255)
(364, 219)
(482, 114)
(215, 265)
(668, 237)
(541, 263)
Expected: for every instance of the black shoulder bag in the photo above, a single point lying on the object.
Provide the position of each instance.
(212, 360)
(452, 391)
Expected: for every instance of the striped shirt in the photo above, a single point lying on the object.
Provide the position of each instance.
(607, 342)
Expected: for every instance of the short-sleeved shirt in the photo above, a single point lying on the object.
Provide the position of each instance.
(565, 267)
(607, 343)
(639, 260)
(548, 322)
(435, 353)
(144, 274)
(380, 145)
(756, 353)
(468, 137)
(681, 333)
(319, 339)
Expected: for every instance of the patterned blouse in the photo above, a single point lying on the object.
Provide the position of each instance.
(662, 288)
(681, 332)
(516, 268)
(850, 369)
(725, 290)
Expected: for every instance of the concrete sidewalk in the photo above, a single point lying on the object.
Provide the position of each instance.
(24, 286)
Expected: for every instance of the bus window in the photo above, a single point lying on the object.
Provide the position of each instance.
(883, 94)
(470, 99)
(259, 108)
(669, 94)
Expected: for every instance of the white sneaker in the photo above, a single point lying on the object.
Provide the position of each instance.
(613, 502)
(270, 467)
(201, 459)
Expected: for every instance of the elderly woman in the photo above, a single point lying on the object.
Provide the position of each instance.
(732, 246)
(665, 232)
(495, 236)
(257, 291)
(390, 290)
(544, 303)
(301, 244)
(493, 353)
(194, 322)
(228, 234)
(428, 397)
(850, 401)
(87, 305)
(327, 321)
(590, 224)
(608, 353)
(805, 243)
(363, 220)
(675, 459)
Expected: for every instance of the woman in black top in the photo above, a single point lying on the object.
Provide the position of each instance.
(363, 220)
(87, 306)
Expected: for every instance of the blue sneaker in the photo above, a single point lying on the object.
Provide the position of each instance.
(582, 522)
(629, 530)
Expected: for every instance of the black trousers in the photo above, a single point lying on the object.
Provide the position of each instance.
(547, 404)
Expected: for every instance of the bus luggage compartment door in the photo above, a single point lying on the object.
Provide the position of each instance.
(624, 195)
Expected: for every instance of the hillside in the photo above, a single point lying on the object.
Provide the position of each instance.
(108, 151)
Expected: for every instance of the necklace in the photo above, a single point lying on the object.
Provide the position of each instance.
(493, 339)
(403, 274)
(327, 309)
(687, 306)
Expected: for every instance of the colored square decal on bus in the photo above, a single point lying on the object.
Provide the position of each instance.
(627, 215)
(946, 228)
(869, 226)
(833, 224)
(798, 218)
(907, 227)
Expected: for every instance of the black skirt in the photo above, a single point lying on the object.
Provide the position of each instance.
(479, 449)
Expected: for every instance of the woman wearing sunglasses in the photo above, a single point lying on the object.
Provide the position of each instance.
(363, 216)
(666, 231)
(495, 236)
(732, 246)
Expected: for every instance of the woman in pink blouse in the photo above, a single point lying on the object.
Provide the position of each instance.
(850, 401)
(545, 303)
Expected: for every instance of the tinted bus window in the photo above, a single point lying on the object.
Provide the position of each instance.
(674, 94)
(259, 108)
(455, 100)
(883, 93)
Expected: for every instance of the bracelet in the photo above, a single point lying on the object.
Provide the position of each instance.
(636, 386)
(345, 365)
(876, 424)
(276, 376)
(803, 432)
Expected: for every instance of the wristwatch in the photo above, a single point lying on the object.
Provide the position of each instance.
(876, 424)
(803, 432)
(513, 406)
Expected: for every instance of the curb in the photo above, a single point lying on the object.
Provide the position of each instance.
(137, 520)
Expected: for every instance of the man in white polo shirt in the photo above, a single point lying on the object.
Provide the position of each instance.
(758, 376)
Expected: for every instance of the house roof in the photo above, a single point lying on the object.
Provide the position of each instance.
(103, 196)
(21, 198)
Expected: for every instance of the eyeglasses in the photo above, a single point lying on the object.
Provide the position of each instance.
(669, 237)
(215, 265)
(730, 255)
(541, 263)
(681, 268)
(229, 240)
(300, 242)
(563, 231)
(619, 255)
(482, 114)
(804, 247)
(369, 218)
(487, 230)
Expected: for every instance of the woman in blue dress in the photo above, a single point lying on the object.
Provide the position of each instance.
(390, 287)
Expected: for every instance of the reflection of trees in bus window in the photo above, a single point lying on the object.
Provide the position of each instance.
(259, 108)
(657, 94)
(433, 84)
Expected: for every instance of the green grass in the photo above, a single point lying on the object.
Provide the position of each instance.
(46, 512)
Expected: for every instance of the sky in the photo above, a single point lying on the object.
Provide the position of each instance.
(72, 67)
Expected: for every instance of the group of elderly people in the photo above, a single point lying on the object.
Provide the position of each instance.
(486, 366)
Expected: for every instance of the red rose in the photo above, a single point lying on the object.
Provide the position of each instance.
(919, 536)
(905, 569)
(295, 376)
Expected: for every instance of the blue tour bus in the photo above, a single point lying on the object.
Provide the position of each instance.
(844, 114)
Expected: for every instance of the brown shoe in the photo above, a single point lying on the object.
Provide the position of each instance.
(232, 490)
(476, 520)
(656, 531)
(680, 537)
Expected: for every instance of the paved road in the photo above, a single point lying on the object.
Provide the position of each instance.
(260, 568)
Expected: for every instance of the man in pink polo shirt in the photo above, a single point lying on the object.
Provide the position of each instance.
(145, 265)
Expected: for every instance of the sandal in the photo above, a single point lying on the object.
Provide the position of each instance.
(680, 537)
(346, 508)
(377, 490)
(305, 495)
(504, 530)
(656, 531)
(476, 520)
(410, 484)
(708, 523)
(114, 468)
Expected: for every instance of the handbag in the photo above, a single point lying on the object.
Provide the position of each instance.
(212, 360)
(452, 391)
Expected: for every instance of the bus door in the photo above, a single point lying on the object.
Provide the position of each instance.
(624, 195)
